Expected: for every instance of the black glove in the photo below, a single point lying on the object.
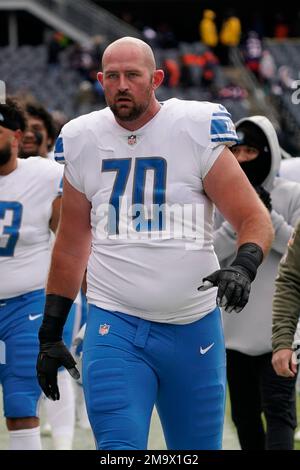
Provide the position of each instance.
(234, 282)
(51, 357)
(233, 287)
(53, 352)
(264, 196)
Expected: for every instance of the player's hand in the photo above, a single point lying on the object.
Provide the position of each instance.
(51, 357)
(234, 286)
(283, 363)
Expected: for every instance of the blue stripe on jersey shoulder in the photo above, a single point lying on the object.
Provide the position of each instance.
(221, 127)
(222, 114)
(59, 145)
(59, 150)
(225, 139)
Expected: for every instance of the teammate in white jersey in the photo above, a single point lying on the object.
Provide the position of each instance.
(30, 193)
(38, 139)
(140, 181)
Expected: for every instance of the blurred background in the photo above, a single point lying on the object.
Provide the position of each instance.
(248, 60)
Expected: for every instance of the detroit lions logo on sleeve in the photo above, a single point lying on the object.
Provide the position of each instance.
(59, 150)
(222, 128)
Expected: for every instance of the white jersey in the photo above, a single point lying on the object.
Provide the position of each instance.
(26, 197)
(146, 262)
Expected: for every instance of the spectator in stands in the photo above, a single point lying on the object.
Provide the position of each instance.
(150, 35)
(252, 52)
(267, 70)
(166, 38)
(286, 79)
(208, 29)
(172, 72)
(57, 43)
(281, 28)
(198, 69)
(233, 91)
(253, 384)
(230, 35)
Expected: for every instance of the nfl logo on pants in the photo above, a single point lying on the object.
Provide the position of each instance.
(104, 329)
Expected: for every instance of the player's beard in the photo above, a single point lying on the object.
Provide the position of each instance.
(5, 154)
(31, 144)
(131, 113)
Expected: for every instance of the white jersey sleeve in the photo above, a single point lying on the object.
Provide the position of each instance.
(71, 147)
(211, 127)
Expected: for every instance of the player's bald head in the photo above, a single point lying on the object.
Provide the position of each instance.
(129, 46)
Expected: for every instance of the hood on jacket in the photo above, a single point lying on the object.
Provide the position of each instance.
(258, 132)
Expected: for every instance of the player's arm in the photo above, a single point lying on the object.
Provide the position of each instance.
(69, 259)
(228, 187)
(72, 245)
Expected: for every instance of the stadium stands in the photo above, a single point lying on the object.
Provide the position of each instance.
(287, 59)
(198, 76)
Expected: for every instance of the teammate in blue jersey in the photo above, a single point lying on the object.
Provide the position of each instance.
(30, 196)
(140, 181)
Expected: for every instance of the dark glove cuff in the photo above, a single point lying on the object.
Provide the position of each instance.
(249, 257)
(55, 316)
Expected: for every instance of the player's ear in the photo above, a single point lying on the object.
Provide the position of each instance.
(17, 138)
(158, 77)
(100, 77)
(18, 135)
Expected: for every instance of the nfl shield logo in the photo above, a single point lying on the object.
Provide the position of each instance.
(104, 329)
(131, 139)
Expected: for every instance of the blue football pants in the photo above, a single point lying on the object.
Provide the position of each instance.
(130, 364)
(20, 320)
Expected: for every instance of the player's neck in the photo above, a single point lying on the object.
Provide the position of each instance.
(149, 114)
(9, 167)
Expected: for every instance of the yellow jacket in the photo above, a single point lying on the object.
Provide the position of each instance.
(231, 32)
(207, 29)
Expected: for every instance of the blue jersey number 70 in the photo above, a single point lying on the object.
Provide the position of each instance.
(10, 222)
(122, 168)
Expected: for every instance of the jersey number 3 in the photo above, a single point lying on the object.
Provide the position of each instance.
(10, 222)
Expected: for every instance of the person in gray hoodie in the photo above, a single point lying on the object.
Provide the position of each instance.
(254, 386)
